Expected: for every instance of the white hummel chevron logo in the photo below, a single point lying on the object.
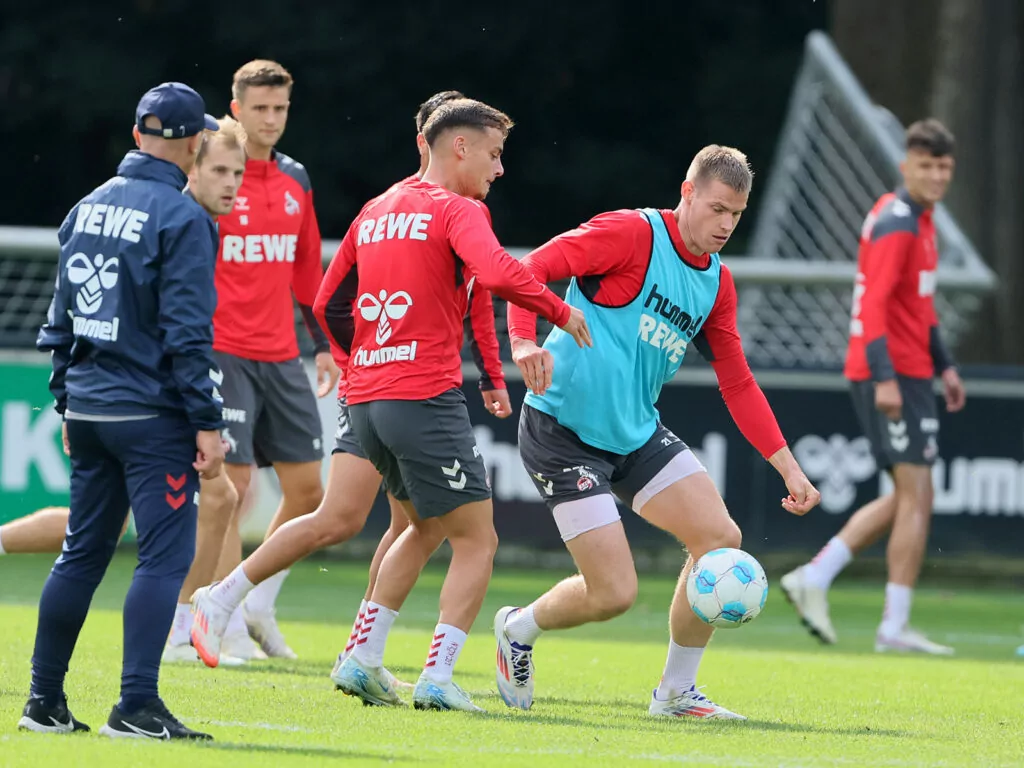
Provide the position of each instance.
(549, 488)
(217, 377)
(898, 437)
(452, 471)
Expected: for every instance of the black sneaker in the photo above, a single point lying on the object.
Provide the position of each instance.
(39, 718)
(152, 721)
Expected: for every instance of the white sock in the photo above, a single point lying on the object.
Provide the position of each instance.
(232, 591)
(827, 564)
(182, 625)
(263, 596)
(897, 609)
(2, 550)
(521, 627)
(373, 634)
(356, 625)
(236, 624)
(444, 652)
(680, 671)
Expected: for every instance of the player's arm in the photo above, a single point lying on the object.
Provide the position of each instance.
(187, 299)
(306, 278)
(601, 246)
(57, 336)
(483, 339)
(719, 342)
(475, 243)
(335, 298)
(945, 367)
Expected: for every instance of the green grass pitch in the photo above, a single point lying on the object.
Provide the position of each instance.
(808, 706)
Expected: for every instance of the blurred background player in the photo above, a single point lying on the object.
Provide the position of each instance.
(408, 352)
(895, 351)
(213, 182)
(130, 335)
(270, 248)
(480, 332)
(648, 282)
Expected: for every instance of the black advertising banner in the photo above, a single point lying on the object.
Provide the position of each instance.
(979, 479)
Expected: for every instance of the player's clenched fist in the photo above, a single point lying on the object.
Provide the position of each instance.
(576, 326)
(535, 363)
(803, 497)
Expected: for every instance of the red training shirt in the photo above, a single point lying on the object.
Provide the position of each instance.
(609, 256)
(893, 327)
(395, 294)
(479, 327)
(269, 248)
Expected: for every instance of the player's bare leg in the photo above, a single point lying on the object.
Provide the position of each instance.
(806, 587)
(237, 642)
(905, 554)
(42, 532)
(218, 501)
(301, 494)
(692, 510)
(470, 531)
(398, 525)
(352, 485)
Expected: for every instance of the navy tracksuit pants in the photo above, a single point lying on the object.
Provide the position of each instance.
(147, 465)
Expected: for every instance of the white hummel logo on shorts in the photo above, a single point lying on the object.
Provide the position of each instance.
(452, 471)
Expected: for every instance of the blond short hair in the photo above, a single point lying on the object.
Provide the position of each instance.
(229, 133)
(725, 164)
(260, 72)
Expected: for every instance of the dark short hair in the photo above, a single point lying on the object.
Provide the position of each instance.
(931, 136)
(465, 113)
(260, 72)
(428, 107)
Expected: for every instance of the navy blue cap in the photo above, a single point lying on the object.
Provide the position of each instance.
(180, 110)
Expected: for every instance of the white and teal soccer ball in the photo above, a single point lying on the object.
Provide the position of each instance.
(727, 588)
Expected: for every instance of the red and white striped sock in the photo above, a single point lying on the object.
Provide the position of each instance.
(373, 634)
(354, 637)
(445, 648)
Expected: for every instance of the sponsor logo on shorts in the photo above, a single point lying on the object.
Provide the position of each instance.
(227, 437)
(453, 471)
(898, 437)
(547, 487)
(587, 478)
(236, 415)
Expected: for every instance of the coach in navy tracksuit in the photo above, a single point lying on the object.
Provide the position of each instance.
(130, 332)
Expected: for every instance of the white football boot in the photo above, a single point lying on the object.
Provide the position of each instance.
(811, 604)
(910, 640)
(691, 703)
(368, 683)
(429, 694)
(514, 664)
(262, 626)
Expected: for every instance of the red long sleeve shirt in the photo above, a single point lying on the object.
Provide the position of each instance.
(269, 248)
(893, 325)
(609, 256)
(395, 295)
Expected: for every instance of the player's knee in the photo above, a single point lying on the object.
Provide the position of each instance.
(727, 536)
(336, 529)
(614, 598)
(308, 496)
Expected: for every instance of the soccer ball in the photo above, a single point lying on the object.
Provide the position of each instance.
(727, 588)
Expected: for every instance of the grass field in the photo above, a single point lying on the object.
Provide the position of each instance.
(807, 706)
